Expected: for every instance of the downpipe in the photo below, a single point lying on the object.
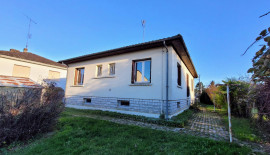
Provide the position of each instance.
(167, 81)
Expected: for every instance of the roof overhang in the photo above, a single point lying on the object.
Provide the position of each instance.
(176, 42)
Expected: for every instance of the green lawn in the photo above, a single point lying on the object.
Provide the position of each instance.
(177, 121)
(241, 127)
(80, 135)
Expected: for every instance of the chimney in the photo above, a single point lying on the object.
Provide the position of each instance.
(14, 50)
(25, 50)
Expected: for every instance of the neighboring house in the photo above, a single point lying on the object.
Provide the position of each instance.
(24, 64)
(133, 79)
(18, 86)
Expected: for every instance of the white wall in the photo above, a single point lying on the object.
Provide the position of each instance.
(37, 72)
(176, 92)
(120, 85)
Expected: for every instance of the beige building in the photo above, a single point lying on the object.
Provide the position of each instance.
(27, 65)
(147, 79)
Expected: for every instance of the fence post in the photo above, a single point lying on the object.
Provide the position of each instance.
(229, 112)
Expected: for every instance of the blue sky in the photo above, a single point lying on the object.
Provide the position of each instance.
(216, 32)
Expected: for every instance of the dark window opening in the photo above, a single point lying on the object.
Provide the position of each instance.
(188, 88)
(178, 74)
(87, 100)
(124, 103)
(178, 104)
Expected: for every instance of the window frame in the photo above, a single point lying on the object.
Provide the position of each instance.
(76, 76)
(134, 73)
(97, 71)
(179, 75)
(109, 66)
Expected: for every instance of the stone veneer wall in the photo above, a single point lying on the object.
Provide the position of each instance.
(150, 106)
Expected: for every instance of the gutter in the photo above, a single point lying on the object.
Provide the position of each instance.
(167, 81)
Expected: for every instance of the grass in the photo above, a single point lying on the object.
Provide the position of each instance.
(242, 128)
(178, 121)
(81, 135)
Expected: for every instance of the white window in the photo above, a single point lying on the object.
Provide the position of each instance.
(99, 70)
(142, 71)
(112, 69)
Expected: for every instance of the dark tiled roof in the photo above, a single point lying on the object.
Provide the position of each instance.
(30, 56)
(176, 41)
(10, 81)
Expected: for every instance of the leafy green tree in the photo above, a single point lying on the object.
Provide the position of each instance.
(239, 100)
(261, 61)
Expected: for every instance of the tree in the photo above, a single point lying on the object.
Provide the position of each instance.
(211, 90)
(239, 96)
(261, 61)
(199, 88)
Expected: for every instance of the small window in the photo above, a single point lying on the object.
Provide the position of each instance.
(178, 74)
(54, 75)
(178, 104)
(21, 71)
(123, 103)
(99, 70)
(141, 71)
(87, 100)
(112, 69)
(188, 88)
(79, 76)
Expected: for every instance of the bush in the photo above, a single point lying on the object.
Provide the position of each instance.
(26, 112)
(263, 105)
(239, 97)
(204, 98)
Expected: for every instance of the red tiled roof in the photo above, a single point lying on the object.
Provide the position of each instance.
(11, 81)
(30, 56)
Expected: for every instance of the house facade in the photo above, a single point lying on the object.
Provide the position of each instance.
(134, 79)
(27, 65)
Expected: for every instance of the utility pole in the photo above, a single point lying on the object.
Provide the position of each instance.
(229, 112)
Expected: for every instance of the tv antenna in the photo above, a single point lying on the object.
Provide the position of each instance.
(143, 25)
(29, 35)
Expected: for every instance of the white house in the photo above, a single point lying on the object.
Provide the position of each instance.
(25, 65)
(146, 79)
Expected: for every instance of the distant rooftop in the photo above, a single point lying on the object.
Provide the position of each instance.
(11, 81)
(30, 56)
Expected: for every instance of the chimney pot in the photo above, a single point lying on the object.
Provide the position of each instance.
(25, 50)
(14, 50)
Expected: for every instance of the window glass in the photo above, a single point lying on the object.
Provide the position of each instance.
(139, 71)
(147, 70)
(79, 76)
(99, 70)
(112, 69)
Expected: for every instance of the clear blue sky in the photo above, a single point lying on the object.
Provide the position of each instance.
(216, 32)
